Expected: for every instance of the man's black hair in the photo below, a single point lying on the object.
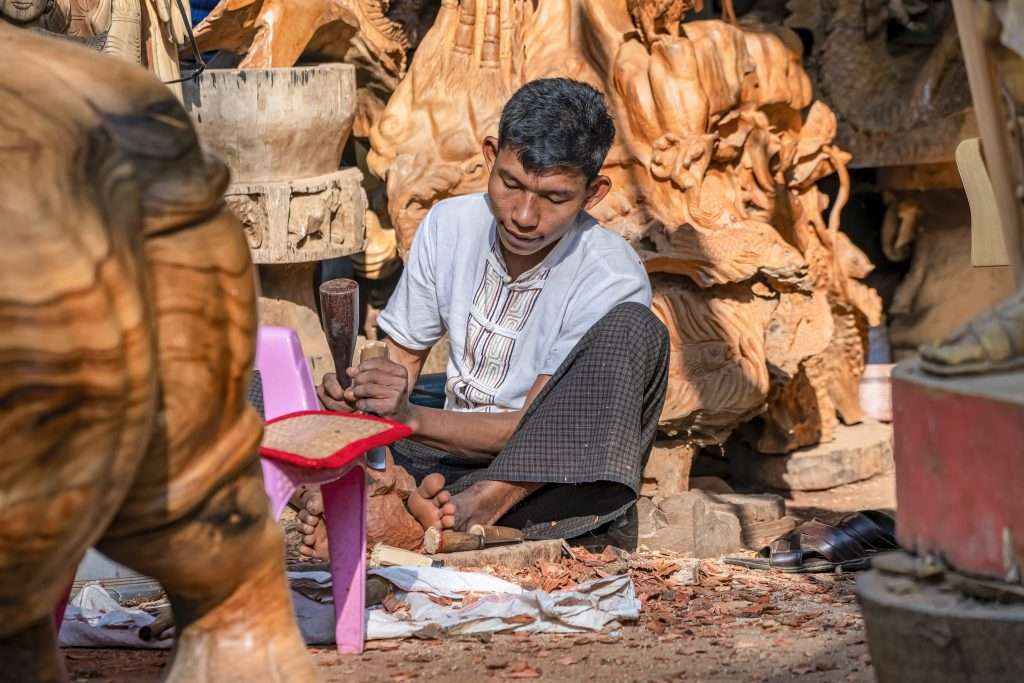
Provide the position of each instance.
(557, 123)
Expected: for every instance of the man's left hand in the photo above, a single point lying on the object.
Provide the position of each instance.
(380, 386)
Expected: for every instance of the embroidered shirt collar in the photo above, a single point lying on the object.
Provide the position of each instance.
(541, 270)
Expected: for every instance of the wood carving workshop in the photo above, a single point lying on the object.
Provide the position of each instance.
(474, 340)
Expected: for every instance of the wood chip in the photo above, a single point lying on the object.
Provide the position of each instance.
(520, 669)
(519, 619)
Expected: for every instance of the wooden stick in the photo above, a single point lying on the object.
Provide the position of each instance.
(373, 349)
(164, 621)
(389, 556)
(376, 458)
(992, 118)
(496, 534)
(437, 541)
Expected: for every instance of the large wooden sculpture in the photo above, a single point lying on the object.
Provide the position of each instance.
(144, 32)
(715, 173)
(128, 317)
(277, 33)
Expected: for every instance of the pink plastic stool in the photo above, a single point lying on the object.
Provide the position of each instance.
(288, 389)
(287, 384)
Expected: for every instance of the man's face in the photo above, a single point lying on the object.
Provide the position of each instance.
(22, 11)
(534, 211)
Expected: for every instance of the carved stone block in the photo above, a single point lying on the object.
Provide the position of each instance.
(689, 524)
(302, 220)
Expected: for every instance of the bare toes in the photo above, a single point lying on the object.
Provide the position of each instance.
(431, 485)
(312, 503)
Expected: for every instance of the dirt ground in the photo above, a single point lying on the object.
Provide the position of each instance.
(735, 625)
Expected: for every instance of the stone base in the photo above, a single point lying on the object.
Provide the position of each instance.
(858, 452)
(703, 524)
(921, 631)
(302, 220)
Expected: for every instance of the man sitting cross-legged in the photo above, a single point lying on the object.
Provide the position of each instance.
(557, 370)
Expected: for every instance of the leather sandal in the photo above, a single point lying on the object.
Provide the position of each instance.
(818, 547)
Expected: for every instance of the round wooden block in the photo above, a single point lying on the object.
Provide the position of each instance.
(857, 453)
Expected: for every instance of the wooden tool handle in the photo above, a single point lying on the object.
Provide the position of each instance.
(497, 534)
(373, 349)
(437, 541)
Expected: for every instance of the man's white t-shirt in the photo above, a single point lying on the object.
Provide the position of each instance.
(504, 332)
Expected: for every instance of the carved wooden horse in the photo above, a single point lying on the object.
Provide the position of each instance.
(127, 326)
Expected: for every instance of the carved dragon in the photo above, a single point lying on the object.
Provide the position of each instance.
(893, 73)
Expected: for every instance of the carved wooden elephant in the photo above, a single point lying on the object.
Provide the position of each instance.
(127, 321)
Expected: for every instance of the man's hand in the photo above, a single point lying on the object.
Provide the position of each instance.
(332, 395)
(380, 386)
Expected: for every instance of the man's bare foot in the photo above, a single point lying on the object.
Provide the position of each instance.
(311, 524)
(485, 502)
(431, 505)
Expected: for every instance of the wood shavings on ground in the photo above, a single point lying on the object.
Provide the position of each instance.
(700, 619)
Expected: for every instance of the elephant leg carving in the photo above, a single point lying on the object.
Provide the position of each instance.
(197, 517)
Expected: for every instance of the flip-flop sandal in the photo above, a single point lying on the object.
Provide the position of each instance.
(818, 547)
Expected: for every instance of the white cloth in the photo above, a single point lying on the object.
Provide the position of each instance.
(504, 333)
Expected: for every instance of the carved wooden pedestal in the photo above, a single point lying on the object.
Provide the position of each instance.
(282, 132)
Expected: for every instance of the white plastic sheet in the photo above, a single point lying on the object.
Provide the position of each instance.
(501, 607)
(94, 619)
(589, 607)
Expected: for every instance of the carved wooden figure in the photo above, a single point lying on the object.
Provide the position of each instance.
(140, 31)
(127, 321)
(895, 77)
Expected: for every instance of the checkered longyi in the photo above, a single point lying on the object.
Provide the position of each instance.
(587, 435)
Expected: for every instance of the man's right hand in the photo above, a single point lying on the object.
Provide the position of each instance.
(332, 396)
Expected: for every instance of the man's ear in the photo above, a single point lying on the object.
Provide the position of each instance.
(596, 191)
(490, 149)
